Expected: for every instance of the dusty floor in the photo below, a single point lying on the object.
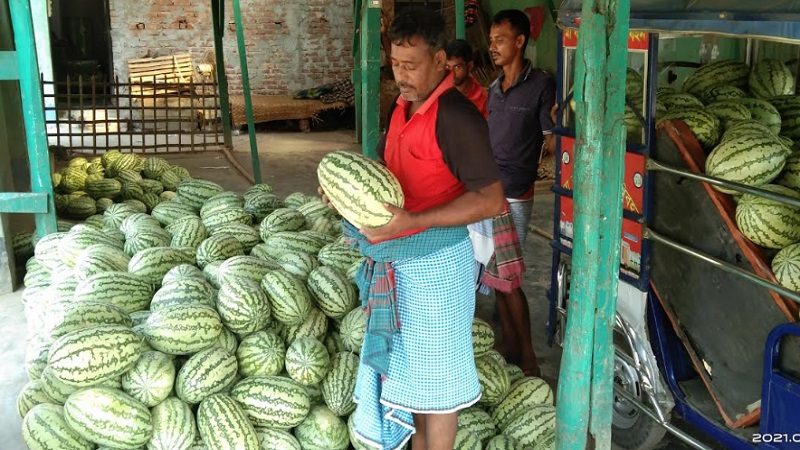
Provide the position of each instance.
(288, 162)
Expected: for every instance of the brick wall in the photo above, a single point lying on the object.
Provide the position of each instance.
(290, 44)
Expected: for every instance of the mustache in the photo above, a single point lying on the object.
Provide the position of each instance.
(403, 85)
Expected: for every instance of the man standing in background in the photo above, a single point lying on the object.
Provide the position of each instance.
(460, 63)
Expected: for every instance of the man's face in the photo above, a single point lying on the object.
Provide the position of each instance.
(504, 44)
(417, 68)
(460, 70)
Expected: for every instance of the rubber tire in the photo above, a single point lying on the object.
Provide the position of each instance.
(645, 434)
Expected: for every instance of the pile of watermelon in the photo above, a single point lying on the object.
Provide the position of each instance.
(177, 315)
(748, 120)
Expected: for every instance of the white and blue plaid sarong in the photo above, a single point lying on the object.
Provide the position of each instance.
(431, 366)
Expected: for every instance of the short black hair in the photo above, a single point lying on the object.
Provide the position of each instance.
(417, 21)
(459, 48)
(518, 21)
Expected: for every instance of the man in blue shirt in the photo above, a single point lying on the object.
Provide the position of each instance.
(520, 122)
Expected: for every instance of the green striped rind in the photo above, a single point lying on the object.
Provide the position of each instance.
(186, 291)
(493, 379)
(219, 203)
(227, 341)
(314, 209)
(131, 190)
(182, 272)
(307, 361)
(466, 440)
(339, 384)
(150, 381)
(752, 159)
(129, 176)
(139, 317)
(153, 263)
(223, 425)
(288, 296)
(195, 192)
(277, 440)
(266, 252)
(205, 373)
(210, 272)
(152, 187)
(181, 329)
(247, 267)
(275, 402)
(228, 216)
(126, 161)
(786, 267)
(135, 221)
(100, 258)
(704, 125)
(153, 167)
(680, 101)
(333, 342)
(532, 425)
(259, 188)
(315, 326)
(46, 251)
(108, 157)
(790, 120)
(181, 172)
(128, 291)
(482, 337)
(137, 205)
(261, 354)
(298, 264)
(261, 204)
(32, 394)
(728, 111)
(322, 430)
(546, 441)
(109, 417)
(503, 442)
(168, 212)
(218, 248)
(89, 314)
(115, 214)
(78, 240)
(334, 293)
(81, 207)
(327, 225)
(359, 187)
(170, 180)
(353, 328)
(282, 219)
(719, 93)
(106, 187)
(769, 223)
(770, 78)
(514, 373)
(354, 440)
(315, 394)
(85, 357)
(718, 73)
(296, 199)
(187, 231)
(763, 111)
(286, 241)
(145, 238)
(97, 221)
(338, 256)
(36, 274)
(477, 421)
(245, 234)
(243, 306)
(45, 428)
(523, 395)
(56, 389)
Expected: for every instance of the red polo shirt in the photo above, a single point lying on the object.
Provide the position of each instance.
(479, 97)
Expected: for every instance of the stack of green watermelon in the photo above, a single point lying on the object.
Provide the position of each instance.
(216, 320)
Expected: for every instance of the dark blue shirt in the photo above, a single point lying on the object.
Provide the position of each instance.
(518, 120)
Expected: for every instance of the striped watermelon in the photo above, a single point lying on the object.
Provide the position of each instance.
(315, 394)
(338, 256)
(85, 357)
(307, 361)
(182, 271)
(493, 380)
(334, 293)
(243, 306)
(137, 205)
(182, 329)
(152, 187)
(261, 354)
(322, 430)
(219, 203)
(109, 417)
(789, 109)
(168, 212)
(106, 187)
(150, 380)
(680, 101)
(786, 267)
(116, 213)
(259, 188)
(146, 238)
(277, 440)
(186, 291)
(57, 389)
(790, 177)
(153, 263)
(261, 204)
(546, 441)
(131, 190)
(129, 176)
(340, 383)
(210, 272)
(296, 199)
(288, 296)
(532, 425)
(523, 395)
(286, 241)
(718, 73)
(466, 440)
(134, 221)
(223, 425)
(728, 111)
(205, 373)
(704, 125)
(228, 216)
(227, 341)
(769, 223)
(100, 258)
(503, 442)
(195, 192)
(169, 180)
(32, 394)
(128, 291)
(359, 187)
(315, 326)
(125, 161)
(721, 93)
(78, 240)
(482, 337)
(770, 78)
(173, 426)
(275, 402)
(477, 421)
(763, 111)
(187, 231)
(45, 428)
(89, 314)
(298, 264)
(514, 373)
(218, 248)
(245, 234)
(750, 159)
(353, 328)
(282, 219)
(247, 267)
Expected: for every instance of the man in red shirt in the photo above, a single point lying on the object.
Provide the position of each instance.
(459, 62)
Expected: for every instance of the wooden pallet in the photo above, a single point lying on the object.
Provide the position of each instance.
(162, 75)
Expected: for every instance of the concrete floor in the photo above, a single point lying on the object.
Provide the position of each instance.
(288, 163)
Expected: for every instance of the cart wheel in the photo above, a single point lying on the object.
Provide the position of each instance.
(631, 428)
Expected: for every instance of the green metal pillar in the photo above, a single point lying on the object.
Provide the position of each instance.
(248, 102)
(218, 18)
(356, 78)
(460, 26)
(599, 157)
(370, 54)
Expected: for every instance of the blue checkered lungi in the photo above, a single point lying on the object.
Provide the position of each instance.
(431, 367)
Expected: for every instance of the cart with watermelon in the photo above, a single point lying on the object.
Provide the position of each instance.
(705, 336)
